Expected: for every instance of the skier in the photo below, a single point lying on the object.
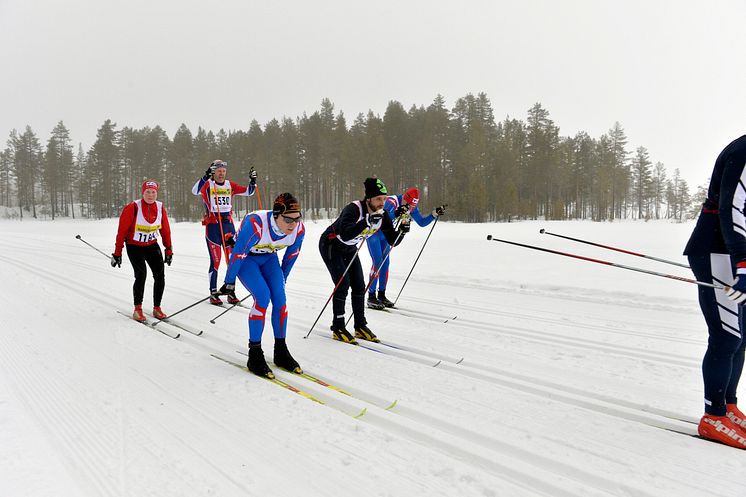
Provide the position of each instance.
(717, 254)
(217, 196)
(254, 261)
(359, 220)
(141, 224)
(379, 248)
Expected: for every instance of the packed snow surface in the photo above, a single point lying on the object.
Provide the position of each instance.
(511, 372)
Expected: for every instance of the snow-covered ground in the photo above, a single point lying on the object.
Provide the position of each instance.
(552, 376)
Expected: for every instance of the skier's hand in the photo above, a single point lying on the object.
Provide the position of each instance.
(440, 210)
(401, 210)
(737, 292)
(374, 217)
(116, 260)
(210, 171)
(404, 227)
(252, 176)
(227, 288)
(168, 259)
(229, 240)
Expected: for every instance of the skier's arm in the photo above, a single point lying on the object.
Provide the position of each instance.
(348, 227)
(196, 189)
(292, 252)
(732, 200)
(249, 235)
(126, 220)
(166, 233)
(244, 191)
(421, 221)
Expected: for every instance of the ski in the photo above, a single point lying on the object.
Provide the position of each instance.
(149, 323)
(276, 381)
(177, 324)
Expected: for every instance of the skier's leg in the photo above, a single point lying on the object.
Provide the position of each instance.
(251, 277)
(136, 256)
(154, 258)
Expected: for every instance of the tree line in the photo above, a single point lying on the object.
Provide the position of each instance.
(483, 169)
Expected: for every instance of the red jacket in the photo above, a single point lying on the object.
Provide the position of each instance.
(126, 231)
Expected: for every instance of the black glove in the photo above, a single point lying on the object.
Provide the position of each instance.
(375, 217)
(404, 227)
(227, 289)
(440, 210)
(116, 260)
(210, 171)
(401, 210)
(229, 240)
(168, 259)
(252, 176)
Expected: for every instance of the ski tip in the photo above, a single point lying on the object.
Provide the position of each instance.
(392, 405)
(489, 237)
(437, 364)
(200, 332)
(460, 361)
(360, 415)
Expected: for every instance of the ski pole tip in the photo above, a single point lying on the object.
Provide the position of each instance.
(541, 231)
(489, 237)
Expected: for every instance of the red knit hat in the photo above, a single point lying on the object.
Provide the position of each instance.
(150, 184)
(411, 197)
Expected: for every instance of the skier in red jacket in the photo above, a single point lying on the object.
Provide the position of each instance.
(141, 224)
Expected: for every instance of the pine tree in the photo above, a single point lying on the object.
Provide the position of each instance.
(642, 180)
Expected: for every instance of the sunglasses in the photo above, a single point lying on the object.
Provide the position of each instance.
(291, 220)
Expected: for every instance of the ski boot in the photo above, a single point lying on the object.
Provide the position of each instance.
(215, 298)
(138, 315)
(735, 415)
(158, 313)
(283, 359)
(256, 362)
(374, 303)
(722, 429)
(232, 299)
(341, 334)
(383, 300)
(364, 333)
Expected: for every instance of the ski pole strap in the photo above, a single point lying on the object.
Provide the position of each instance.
(637, 254)
(607, 263)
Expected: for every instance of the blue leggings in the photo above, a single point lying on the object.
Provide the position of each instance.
(723, 361)
(215, 249)
(378, 248)
(263, 277)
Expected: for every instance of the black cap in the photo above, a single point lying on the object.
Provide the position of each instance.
(286, 203)
(374, 187)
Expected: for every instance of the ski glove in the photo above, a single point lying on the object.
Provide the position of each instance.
(229, 240)
(401, 210)
(439, 211)
(210, 171)
(737, 292)
(374, 217)
(404, 227)
(168, 259)
(252, 176)
(116, 260)
(227, 289)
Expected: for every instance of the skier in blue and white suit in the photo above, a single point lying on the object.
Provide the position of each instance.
(379, 248)
(254, 261)
(717, 254)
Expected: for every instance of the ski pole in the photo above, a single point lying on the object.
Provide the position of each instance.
(94, 248)
(415, 261)
(258, 195)
(180, 311)
(373, 277)
(654, 273)
(228, 309)
(545, 232)
(335, 287)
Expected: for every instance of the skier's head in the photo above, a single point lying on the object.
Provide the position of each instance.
(150, 191)
(375, 193)
(286, 211)
(411, 198)
(220, 169)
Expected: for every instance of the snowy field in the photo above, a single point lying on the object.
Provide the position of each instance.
(552, 376)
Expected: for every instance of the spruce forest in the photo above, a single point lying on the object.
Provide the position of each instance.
(484, 170)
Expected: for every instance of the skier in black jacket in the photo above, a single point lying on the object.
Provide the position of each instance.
(717, 254)
(338, 246)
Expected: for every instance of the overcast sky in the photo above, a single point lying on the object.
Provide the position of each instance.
(673, 73)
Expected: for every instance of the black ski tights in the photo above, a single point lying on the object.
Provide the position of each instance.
(138, 256)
